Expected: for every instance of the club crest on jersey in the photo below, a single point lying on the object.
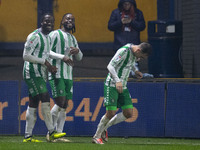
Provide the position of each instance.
(41, 87)
(31, 90)
(112, 100)
(61, 91)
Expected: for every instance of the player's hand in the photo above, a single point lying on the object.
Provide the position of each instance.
(68, 61)
(138, 74)
(119, 87)
(50, 68)
(73, 51)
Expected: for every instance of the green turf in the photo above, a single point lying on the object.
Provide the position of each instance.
(84, 143)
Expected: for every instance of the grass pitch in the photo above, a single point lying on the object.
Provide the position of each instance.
(84, 143)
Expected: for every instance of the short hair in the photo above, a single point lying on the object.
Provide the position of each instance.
(43, 16)
(146, 48)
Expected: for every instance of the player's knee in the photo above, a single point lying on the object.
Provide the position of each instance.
(128, 114)
(61, 102)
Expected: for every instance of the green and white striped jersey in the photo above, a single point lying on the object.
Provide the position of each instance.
(38, 47)
(123, 62)
(61, 43)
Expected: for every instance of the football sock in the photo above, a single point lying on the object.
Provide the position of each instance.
(45, 107)
(61, 120)
(100, 128)
(30, 121)
(115, 120)
(55, 114)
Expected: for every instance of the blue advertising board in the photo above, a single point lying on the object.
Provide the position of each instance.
(182, 110)
(81, 112)
(86, 110)
(158, 111)
(149, 110)
(9, 97)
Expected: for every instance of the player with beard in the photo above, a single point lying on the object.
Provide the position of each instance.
(36, 56)
(65, 43)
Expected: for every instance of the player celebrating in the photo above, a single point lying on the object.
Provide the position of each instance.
(65, 43)
(36, 56)
(116, 94)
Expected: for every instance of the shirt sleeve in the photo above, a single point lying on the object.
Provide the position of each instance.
(113, 73)
(29, 47)
(78, 56)
(54, 55)
(115, 61)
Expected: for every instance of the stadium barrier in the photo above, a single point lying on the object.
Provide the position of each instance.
(161, 109)
(9, 109)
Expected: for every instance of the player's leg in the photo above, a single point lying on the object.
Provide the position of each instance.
(68, 85)
(60, 125)
(100, 128)
(104, 120)
(120, 117)
(45, 107)
(62, 113)
(31, 115)
(125, 103)
(110, 101)
(127, 110)
(61, 118)
(59, 94)
(57, 108)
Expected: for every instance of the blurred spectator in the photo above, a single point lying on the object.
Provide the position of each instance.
(127, 21)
